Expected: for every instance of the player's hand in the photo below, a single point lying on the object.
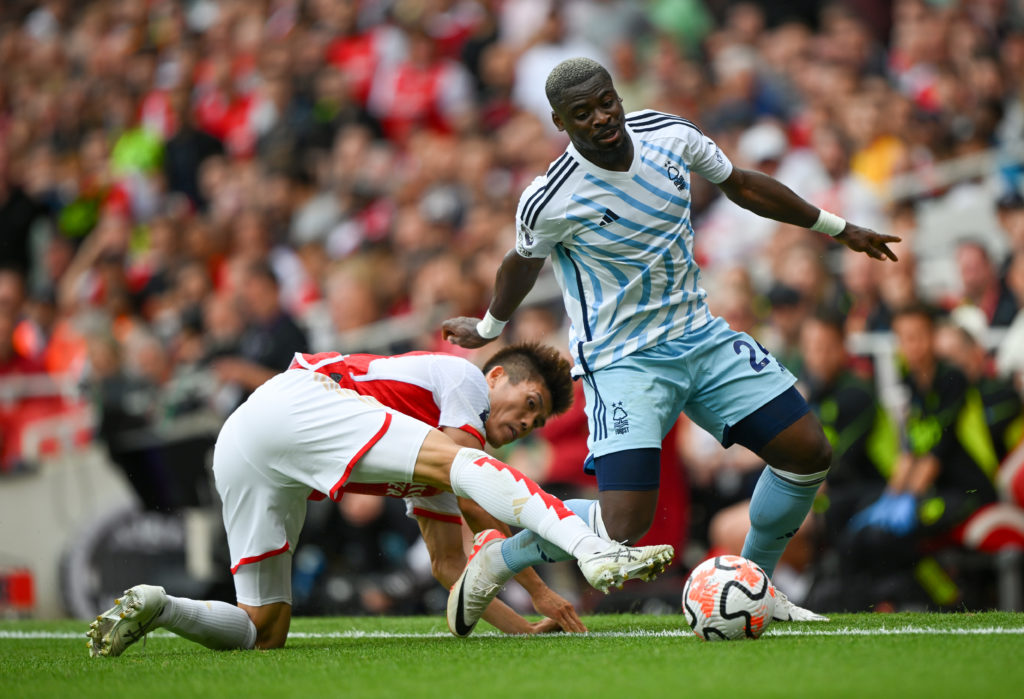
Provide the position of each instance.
(545, 626)
(865, 240)
(462, 332)
(559, 610)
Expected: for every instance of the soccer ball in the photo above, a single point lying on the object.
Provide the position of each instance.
(728, 597)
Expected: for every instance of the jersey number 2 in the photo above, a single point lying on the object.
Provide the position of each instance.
(754, 364)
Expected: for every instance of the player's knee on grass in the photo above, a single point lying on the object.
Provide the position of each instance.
(272, 622)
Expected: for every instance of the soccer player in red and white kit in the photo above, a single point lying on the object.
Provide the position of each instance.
(330, 422)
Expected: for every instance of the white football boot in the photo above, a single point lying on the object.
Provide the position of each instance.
(787, 611)
(477, 585)
(128, 621)
(620, 563)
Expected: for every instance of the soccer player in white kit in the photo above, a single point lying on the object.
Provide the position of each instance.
(613, 214)
(328, 423)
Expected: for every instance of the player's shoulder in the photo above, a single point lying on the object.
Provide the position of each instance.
(651, 122)
(442, 364)
(539, 194)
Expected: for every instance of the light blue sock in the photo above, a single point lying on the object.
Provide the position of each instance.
(527, 549)
(780, 502)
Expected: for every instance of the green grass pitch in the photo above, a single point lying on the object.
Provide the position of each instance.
(853, 655)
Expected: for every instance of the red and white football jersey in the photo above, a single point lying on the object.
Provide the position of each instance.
(441, 390)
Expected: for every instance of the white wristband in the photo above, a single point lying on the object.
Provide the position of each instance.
(829, 223)
(490, 327)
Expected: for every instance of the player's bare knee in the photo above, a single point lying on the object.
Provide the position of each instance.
(272, 622)
(823, 459)
(627, 525)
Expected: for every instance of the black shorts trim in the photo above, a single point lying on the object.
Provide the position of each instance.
(764, 424)
(632, 469)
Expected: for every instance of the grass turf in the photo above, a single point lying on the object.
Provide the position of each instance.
(850, 656)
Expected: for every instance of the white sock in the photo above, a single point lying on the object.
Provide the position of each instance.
(515, 499)
(216, 625)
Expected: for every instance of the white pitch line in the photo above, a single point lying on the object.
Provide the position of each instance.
(670, 633)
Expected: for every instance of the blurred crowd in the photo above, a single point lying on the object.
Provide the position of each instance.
(191, 191)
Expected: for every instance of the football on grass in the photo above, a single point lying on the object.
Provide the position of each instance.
(728, 597)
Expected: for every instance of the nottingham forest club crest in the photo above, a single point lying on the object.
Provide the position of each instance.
(675, 175)
(620, 418)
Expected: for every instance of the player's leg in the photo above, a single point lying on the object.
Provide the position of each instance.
(631, 405)
(799, 458)
(627, 483)
(527, 548)
(628, 498)
(514, 498)
(747, 397)
(143, 608)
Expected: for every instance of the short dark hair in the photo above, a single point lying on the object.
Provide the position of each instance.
(916, 308)
(570, 73)
(830, 318)
(532, 360)
(262, 269)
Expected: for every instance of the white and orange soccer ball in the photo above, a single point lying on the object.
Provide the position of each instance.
(728, 597)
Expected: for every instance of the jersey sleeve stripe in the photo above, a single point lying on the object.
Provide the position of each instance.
(473, 431)
(554, 172)
(551, 192)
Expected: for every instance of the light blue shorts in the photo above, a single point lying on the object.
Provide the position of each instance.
(716, 375)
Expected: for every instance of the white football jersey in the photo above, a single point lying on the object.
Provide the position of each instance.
(621, 242)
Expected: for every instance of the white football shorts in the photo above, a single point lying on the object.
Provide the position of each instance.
(301, 432)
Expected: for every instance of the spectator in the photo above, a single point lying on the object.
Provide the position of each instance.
(981, 285)
(270, 336)
(943, 477)
(423, 91)
(961, 342)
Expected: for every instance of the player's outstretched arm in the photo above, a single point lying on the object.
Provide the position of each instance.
(768, 197)
(515, 277)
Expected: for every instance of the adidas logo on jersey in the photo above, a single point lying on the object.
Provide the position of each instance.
(609, 217)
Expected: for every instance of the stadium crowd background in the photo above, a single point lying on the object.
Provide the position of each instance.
(192, 191)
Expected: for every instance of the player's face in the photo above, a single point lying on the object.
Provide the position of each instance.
(915, 339)
(592, 115)
(822, 348)
(516, 408)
